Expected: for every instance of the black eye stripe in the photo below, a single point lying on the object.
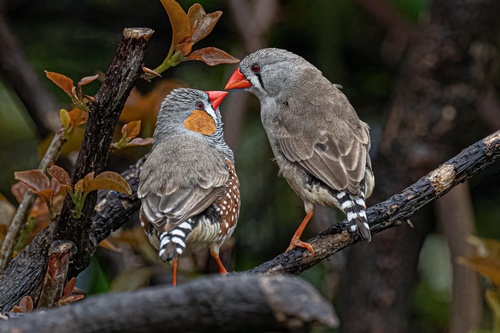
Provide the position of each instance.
(260, 80)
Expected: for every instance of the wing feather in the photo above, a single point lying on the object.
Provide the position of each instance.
(175, 186)
(327, 139)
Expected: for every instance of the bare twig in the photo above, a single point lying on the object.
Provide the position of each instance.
(394, 211)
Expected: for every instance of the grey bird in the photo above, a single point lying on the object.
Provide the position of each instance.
(188, 185)
(320, 144)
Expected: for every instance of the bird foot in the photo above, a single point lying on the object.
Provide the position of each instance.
(296, 242)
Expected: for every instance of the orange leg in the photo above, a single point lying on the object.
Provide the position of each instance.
(296, 242)
(222, 269)
(174, 271)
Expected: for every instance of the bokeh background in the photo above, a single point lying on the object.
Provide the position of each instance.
(404, 278)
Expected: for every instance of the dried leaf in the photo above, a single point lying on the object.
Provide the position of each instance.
(60, 175)
(201, 23)
(184, 48)
(62, 81)
(486, 266)
(108, 180)
(46, 194)
(131, 130)
(25, 305)
(70, 286)
(35, 179)
(84, 81)
(179, 21)
(87, 80)
(18, 190)
(78, 117)
(212, 56)
(79, 186)
(140, 142)
(64, 117)
(69, 299)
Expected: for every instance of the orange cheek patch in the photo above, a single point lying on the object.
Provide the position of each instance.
(199, 121)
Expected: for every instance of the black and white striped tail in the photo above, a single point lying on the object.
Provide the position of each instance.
(173, 243)
(354, 207)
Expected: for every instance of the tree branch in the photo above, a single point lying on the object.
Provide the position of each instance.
(24, 276)
(393, 211)
(246, 303)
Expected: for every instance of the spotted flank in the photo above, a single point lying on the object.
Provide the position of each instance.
(173, 243)
(354, 208)
(228, 206)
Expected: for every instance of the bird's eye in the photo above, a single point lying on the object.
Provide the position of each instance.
(200, 105)
(255, 68)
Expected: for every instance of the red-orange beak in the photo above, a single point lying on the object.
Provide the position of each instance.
(237, 81)
(216, 97)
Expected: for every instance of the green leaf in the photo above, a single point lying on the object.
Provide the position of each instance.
(64, 117)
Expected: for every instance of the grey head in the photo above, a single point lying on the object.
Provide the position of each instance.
(275, 72)
(192, 112)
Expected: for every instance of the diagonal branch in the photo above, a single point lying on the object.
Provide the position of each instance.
(114, 209)
(395, 210)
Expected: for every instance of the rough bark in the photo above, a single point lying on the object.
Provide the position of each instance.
(433, 112)
(28, 268)
(392, 212)
(249, 303)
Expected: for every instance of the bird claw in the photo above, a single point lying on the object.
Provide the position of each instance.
(295, 242)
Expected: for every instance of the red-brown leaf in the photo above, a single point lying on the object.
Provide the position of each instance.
(77, 117)
(68, 289)
(62, 81)
(201, 23)
(35, 179)
(108, 180)
(25, 305)
(69, 299)
(131, 130)
(60, 175)
(212, 56)
(88, 79)
(179, 21)
(140, 142)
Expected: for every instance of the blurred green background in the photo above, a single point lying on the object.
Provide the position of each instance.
(79, 38)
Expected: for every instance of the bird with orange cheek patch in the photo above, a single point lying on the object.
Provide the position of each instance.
(188, 185)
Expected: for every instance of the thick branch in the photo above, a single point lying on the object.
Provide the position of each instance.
(24, 275)
(250, 303)
(93, 155)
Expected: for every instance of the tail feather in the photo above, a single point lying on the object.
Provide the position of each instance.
(173, 243)
(354, 207)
